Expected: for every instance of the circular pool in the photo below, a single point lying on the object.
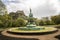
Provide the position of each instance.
(25, 30)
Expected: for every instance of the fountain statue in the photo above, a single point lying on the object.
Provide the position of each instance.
(31, 22)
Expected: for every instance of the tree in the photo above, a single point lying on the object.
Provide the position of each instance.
(5, 19)
(47, 22)
(56, 19)
(20, 13)
(41, 23)
(20, 22)
(37, 21)
(13, 15)
(17, 14)
(1, 24)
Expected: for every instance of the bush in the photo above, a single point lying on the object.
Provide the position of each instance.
(20, 22)
(56, 19)
(41, 23)
(1, 24)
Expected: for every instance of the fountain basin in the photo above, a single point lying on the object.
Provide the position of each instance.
(30, 28)
(40, 30)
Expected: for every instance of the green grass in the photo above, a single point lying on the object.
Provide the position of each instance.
(47, 29)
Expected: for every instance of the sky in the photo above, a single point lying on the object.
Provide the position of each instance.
(40, 8)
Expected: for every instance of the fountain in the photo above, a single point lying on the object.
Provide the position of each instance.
(31, 28)
(31, 24)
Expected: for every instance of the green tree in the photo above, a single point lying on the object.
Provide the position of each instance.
(20, 22)
(56, 19)
(41, 23)
(18, 14)
(5, 19)
(37, 21)
(47, 22)
(1, 24)
(13, 15)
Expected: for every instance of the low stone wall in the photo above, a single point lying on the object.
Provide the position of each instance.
(8, 36)
(57, 26)
(37, 33)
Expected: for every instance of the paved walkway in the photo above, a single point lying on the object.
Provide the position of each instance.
(31, 37)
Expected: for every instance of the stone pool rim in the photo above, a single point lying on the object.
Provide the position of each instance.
(31, 33)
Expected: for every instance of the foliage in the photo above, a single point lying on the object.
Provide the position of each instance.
(41, 23)
(20, 22)
(56, 19)
(18, 19)
(5, 19)
(37, 21)
(18, 14)
(47, 22)
(1, 24)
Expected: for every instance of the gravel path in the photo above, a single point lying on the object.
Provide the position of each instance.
(54, 36)
(12, 38)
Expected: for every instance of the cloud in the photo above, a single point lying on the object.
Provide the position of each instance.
(39, 7)
(43, 11)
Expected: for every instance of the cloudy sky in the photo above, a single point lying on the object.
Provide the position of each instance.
(40, 8)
